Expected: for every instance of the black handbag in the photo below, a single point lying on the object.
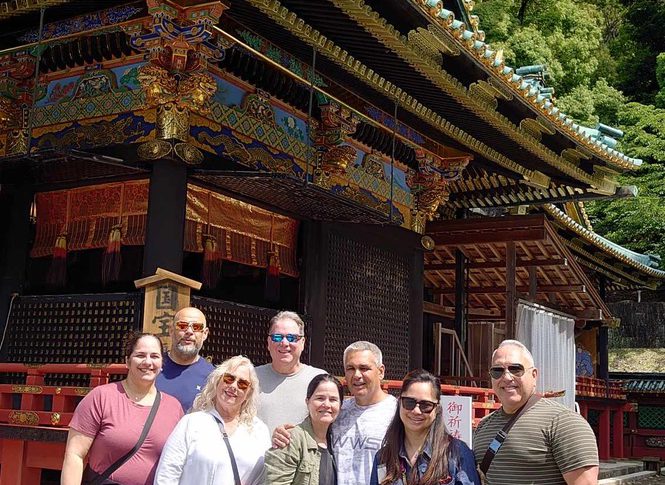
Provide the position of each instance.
(91, 477)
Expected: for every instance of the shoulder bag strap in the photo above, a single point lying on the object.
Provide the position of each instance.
(121, 461)
(501, 436)
(234, 465)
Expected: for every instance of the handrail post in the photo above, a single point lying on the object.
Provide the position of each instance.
(33, 401)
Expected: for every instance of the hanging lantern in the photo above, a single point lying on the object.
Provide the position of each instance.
(212, 262)
(272, 278)
(112, 259)
(57, 273)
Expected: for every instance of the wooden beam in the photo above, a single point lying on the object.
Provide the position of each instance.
(549, 289)
(495, 235)
(449, 311)
(511, 291)
(521, 263)
(533, 282)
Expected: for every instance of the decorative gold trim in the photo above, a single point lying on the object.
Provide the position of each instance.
(27, 389)
(81, 391)
(26, 418)
(55, 419)
(386, 33)
(312, 37)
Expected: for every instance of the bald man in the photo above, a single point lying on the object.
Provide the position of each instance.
(184, 372)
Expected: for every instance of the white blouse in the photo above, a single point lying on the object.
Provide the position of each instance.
(195, 453)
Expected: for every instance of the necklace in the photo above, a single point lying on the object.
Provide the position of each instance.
(135, 397)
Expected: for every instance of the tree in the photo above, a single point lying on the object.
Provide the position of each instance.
(639, 42)
(564, 35)
(638, 223)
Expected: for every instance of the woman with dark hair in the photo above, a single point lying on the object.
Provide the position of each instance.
(417, 449)
(307, 460)
(109, 421)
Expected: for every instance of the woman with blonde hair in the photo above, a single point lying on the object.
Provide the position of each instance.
(221, 441)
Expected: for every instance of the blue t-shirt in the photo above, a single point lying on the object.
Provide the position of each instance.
(183, 382)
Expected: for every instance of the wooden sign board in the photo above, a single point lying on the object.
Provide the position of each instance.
(165, 294)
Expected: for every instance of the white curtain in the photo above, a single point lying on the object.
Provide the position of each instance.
(551, 339)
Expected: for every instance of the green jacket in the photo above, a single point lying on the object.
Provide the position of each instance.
(298, 463)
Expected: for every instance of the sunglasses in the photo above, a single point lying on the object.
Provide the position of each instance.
(425, 407)
(516, 370)
(195, 326)
(243, 384)
(290, 337)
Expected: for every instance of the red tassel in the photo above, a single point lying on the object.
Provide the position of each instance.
(112, 260)
(57, 273)
(212, 262)
(272, 278)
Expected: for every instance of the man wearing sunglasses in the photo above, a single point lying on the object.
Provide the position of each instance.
(284, 381)
(184, 372)
(548, 444)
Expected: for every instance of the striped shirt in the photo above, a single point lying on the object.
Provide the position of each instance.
(545, 442)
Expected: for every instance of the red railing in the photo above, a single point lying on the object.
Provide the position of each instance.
(483, 399)
(599, 388)
(35, 409)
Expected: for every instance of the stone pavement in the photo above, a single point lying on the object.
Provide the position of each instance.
(654, 480)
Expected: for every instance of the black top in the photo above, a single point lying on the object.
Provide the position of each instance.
(327, 475)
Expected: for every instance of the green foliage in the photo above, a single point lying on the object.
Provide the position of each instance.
(565, 35)
(588, 106)
(660, 77)
(636, 47)
(637, 223)
(644, 132)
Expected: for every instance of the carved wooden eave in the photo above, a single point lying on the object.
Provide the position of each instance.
(306, 25)
(545, 270)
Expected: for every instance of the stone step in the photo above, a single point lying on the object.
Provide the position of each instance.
(626, 479)
(617, 468)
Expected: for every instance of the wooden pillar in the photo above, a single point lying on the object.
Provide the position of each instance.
(14, 470)
(416, 315)
(604, 434)
(511, 291)
(584, 410)
(617, 434)
(166, 217)
(603, 338)
(12, 276)
(460, 297)
(314, 287)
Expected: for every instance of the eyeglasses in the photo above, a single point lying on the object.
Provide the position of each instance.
(290, 337)
(425, 407)
(195, 326)
(516, 370)
(243, 384)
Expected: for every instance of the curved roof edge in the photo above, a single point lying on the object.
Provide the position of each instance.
(644, 262)
(472, 42)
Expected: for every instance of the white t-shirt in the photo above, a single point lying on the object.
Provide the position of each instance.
(195, 453)
(357, 435)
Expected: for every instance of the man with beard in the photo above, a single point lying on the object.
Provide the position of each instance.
(184, 372)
